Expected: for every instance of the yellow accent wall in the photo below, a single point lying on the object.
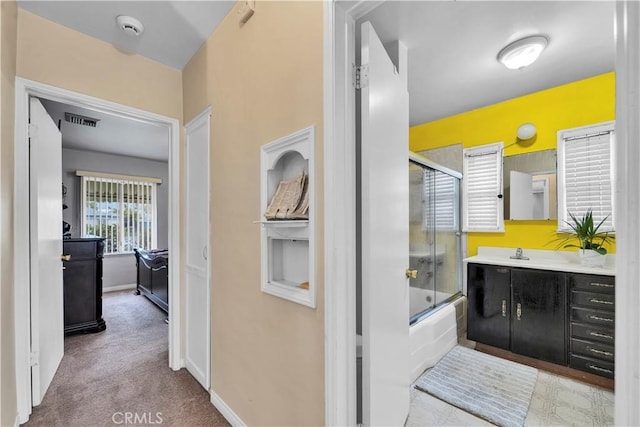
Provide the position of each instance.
(575, 104)
(8, 47)
(263, 80)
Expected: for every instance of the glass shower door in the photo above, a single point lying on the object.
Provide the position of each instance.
(422, 295)
(435, 238)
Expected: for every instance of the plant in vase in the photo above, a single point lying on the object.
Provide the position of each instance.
(591, 240)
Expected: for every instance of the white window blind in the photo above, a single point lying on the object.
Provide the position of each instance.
(123, 211)
(482, 186)
(441, 193)
(586, 174)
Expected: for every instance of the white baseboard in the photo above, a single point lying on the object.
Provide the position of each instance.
(225, 410)
(119, 288)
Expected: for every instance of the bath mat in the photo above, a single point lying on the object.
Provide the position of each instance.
(495, 389)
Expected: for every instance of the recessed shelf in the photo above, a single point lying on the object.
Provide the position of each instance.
(288, 245)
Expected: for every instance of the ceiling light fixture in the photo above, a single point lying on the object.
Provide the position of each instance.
(130, 25)
(522, 52)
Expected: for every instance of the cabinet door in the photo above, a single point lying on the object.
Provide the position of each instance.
(538, 327)
(488, 291)
(80, 292)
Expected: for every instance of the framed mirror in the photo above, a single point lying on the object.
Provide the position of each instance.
(529, 182)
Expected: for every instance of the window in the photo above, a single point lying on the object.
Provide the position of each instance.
(440, 193)
(482, 188)
(586, 175)
(121, 209)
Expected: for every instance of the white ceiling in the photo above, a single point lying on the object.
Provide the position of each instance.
(114, 135)
(452, 48)
(173, 30)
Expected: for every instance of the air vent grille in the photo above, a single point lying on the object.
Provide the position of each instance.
(77, 119)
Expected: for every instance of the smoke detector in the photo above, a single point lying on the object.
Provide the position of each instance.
(130, 25)
(77, 119)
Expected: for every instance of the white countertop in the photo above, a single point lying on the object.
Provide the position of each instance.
(541, 260)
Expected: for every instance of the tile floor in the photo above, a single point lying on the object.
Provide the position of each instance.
(556, 401)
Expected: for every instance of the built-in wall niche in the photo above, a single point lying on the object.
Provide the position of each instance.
(288, 223)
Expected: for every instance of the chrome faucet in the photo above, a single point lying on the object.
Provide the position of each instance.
(519, 255)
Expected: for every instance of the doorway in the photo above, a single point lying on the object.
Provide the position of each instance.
(25, 89)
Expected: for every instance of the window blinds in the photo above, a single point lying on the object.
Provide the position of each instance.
(586, 176)
(482, 184)
(121, 211)
(441, 192)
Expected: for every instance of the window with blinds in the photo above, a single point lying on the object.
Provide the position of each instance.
(123, 211)
(482, 188)
(586, 174)
(440, 193)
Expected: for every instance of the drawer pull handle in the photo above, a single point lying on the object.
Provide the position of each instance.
(504, 308)
(601, 352)
(598, 368)
(519, 311)
(599, 301)
(601, 285)
(602, 319)
(599, 335)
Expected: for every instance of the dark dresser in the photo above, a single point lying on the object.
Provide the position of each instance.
(153, 276)
(82, 277)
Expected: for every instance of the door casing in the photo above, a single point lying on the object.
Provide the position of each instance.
(23, 90)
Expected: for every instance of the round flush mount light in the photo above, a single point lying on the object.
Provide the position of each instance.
(526, 131)
(522, 52)
(130, 25)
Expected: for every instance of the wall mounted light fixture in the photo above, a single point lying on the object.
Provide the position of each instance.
(526, 131)
(523, 52)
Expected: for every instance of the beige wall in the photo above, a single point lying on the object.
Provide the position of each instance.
(263, 81)
(8, 36)
(56, 55)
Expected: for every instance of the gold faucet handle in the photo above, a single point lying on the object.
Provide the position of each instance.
(412, 274)
(65, 257)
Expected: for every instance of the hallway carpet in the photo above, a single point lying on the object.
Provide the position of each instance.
(122, 374)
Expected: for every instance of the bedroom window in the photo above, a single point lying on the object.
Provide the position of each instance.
(482, 189)
(586, 176)
(121, 209)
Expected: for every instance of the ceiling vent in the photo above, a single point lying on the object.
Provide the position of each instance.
(77, 119)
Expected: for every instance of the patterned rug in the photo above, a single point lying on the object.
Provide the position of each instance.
(495, 389)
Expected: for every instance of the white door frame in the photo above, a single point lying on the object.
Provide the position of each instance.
(24, 89)
(340, 220)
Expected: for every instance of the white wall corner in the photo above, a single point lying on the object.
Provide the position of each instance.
(627, 354)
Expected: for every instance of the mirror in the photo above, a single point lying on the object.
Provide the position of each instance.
(530, 186)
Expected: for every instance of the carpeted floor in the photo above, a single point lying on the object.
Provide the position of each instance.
(122, 374)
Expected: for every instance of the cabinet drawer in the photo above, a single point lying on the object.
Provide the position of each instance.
(595, 317)
(593, 349)
(593, 333)
(80, 250)
(594, 366)
(593, 300)
(593, 283)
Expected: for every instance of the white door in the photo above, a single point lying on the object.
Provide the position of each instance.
(385, 233)
(47, 317)
(197, 339)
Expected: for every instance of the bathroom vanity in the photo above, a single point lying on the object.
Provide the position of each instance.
(547, 308)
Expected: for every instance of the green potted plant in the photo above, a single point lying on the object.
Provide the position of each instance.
(591, 241)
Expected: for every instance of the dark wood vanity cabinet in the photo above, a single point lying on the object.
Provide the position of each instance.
(563, 318)
(489, 305)
(592, 327)
(82, 279)
(520, 310)
(538, 314)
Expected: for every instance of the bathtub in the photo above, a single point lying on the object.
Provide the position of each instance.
(434, 335)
